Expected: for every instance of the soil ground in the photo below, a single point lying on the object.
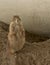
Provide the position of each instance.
(36, 50)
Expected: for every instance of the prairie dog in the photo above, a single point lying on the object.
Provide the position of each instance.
(16, 35)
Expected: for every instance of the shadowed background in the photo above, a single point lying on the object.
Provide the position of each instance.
(35, 14)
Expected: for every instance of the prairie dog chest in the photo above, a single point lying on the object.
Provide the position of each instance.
(17, 28)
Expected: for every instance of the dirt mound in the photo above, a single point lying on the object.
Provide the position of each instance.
(31, 54)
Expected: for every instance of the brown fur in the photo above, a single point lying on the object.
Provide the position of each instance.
(16, 35)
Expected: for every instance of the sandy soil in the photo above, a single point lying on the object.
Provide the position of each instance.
(34, 52)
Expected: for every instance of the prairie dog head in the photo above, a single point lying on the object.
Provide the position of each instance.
(16, 19)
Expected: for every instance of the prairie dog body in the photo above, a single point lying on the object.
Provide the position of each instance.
(16, 35)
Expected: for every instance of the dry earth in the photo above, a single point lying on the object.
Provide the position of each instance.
(36, 53)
